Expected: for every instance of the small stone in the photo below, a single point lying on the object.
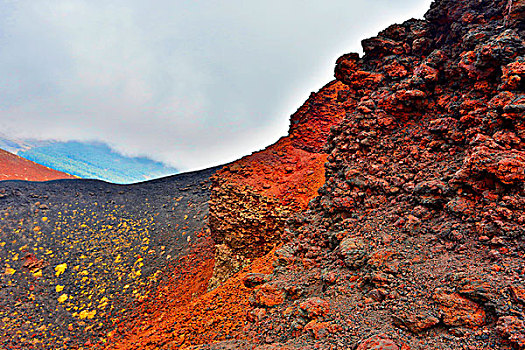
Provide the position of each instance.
(476, 289)
(518, 293)
(415, 322)
(269, 295)
(378, 342)
(512, 328)
(317, 329)
(256, 314)
(354, 252)
(253, 279)
(459, 311)
(314, 307)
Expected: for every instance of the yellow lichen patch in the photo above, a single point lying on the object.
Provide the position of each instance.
(62, 298)
(9, 271)
(103, 303)
(87, 314)
(60, 269)
(44, 219)
(38, 273)
(59, 288)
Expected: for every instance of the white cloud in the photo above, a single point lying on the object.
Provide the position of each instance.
(193, 84)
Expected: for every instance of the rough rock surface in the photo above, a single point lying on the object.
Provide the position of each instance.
(417, 233)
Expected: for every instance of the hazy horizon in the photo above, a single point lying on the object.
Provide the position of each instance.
(192, 85)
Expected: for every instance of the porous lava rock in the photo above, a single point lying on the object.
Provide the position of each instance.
(417, 232)
(378, 342)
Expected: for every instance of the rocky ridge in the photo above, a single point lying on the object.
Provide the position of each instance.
(416, 240)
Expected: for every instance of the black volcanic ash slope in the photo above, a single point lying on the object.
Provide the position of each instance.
(77, 256)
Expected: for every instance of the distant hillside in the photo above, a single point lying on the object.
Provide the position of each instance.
(95, 161)
(13, 167)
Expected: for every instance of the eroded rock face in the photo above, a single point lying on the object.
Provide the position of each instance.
(253, 197)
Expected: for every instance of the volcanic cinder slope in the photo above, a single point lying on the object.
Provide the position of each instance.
(84, 260)
(415, 241)
(13, 167)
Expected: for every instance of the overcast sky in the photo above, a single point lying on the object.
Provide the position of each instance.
(191, 83)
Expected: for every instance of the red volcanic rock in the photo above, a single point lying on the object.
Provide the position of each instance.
(415, 322)
(513, 75)
(507, 165)
(318, 329)
(310, 125)
(518, 293)
(13, 167)
(378, 342)
(419, 224)
(353, 251)
(314, 307)
(477, 289)
(512, 328)
(269, 295)
(459, 311)
(254, 279)
(32, 263)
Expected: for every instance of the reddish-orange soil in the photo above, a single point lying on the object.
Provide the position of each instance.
(13, 167)
(263, 189)
(183, 314)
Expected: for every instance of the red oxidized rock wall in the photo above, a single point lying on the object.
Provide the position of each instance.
(418, 234)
